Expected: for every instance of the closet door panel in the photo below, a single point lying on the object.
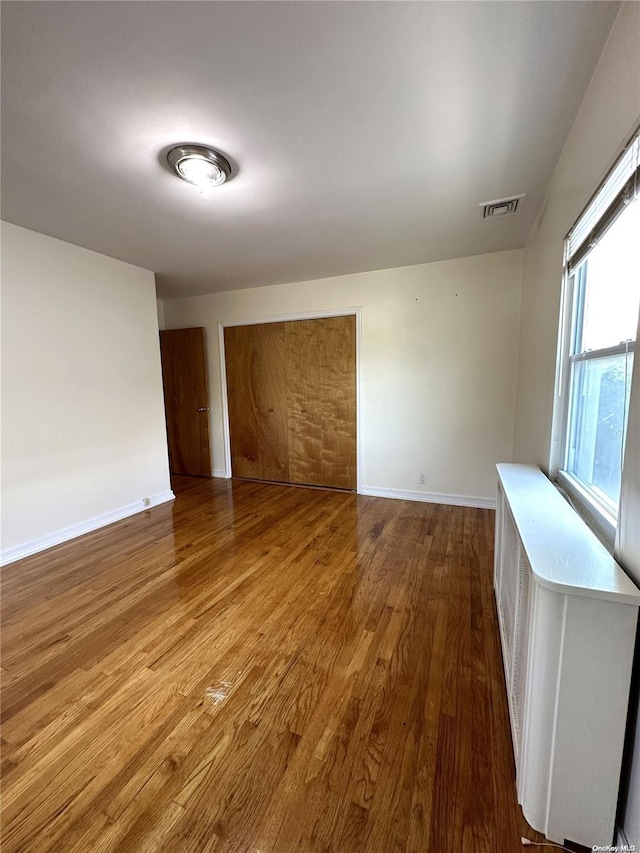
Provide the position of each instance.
(243, 423)
(338, 396)
(269, 379)
(292, 401)
(321, 399)
(304, 404)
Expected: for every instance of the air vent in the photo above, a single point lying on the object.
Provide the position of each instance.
(501, 207)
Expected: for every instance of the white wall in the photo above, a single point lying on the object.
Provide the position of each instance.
(439, 364)
(83, 433)
(608, 115)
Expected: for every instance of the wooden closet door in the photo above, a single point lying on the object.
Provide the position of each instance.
(256, 390)
(243, 425)
(292, 401)
(270, 400)
(321, 401)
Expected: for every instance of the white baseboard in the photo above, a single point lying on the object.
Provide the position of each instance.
(222, 473)
(18, 552)
(430, 497)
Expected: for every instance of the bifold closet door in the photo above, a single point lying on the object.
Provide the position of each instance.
(257, 397)
(321, 401)
(292, 401)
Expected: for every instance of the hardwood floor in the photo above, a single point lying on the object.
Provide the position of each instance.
(258, 668)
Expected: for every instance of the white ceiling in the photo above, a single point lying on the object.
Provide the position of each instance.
(364, 134)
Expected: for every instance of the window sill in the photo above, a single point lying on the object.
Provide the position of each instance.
(601, 522)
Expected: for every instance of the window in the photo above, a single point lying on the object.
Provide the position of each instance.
(602, 302)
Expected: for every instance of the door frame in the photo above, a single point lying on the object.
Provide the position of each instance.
(284, 318)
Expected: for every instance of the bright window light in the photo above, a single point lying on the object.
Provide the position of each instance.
(602, 303)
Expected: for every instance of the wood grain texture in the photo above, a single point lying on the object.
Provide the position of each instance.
(338, 395)
(292, 401)
(186, 400)
(270, 400)
(243, 420)
(321, 401)
(304, 401)
(259, 668)
(257, 396)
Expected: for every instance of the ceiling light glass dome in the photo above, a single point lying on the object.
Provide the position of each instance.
(199, 165)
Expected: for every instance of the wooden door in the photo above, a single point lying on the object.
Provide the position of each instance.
(321, 401)
(292, 401)
(186, 400)
(257, 397)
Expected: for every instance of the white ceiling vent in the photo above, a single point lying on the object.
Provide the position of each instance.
(501, 207)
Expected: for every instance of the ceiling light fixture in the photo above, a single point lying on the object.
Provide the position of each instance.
(199, 165)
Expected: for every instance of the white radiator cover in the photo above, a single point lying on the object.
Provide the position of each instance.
(568, 615)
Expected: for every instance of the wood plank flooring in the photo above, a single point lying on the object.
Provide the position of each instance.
(259, 668)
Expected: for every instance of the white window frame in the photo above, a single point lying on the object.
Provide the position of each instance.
(602, 519)
(598, 510)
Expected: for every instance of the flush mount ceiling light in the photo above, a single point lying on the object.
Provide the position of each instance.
(199, 165)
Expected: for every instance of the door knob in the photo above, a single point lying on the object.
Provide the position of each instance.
(203, 409)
